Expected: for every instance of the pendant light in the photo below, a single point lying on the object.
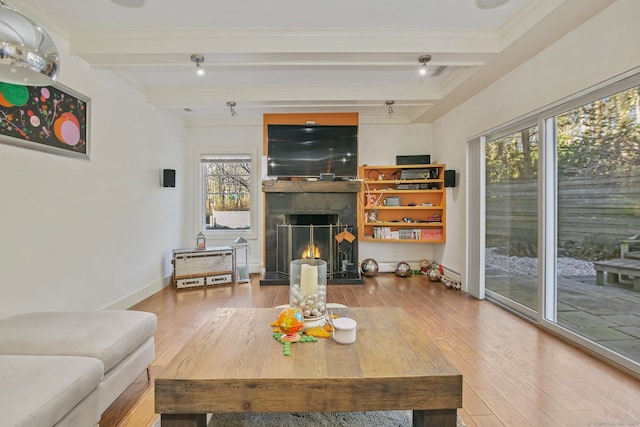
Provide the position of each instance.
(390, 106)
(231, 105)
(423, 60)
(28, 55)
(198, 59)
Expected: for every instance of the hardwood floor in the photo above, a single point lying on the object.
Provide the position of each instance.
(515, 374)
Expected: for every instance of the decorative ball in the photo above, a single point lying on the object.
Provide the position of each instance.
(434, 275)
(290, 320)
(369, 267)
(403, 269)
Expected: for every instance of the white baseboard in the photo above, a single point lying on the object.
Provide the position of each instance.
(390, 266)
(134, 298)
(450, 277)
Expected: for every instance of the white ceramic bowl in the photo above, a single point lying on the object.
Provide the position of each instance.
(344, 330)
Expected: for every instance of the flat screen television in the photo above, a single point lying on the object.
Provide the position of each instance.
(308, 151)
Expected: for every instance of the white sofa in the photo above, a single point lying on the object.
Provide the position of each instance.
(53, 357)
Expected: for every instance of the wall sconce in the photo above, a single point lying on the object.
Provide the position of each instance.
(232, 104)
(423, 60)
(390, 105)
(29, 55)
(198, 59)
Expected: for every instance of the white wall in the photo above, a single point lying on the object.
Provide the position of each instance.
(378, 145)
(602, 48)
(78, 234)
(220, 139)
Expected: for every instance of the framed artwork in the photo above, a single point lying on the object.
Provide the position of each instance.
(54, 119)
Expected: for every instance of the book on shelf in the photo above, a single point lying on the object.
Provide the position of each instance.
(407, 233)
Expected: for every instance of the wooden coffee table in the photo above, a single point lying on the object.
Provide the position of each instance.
(233, 364)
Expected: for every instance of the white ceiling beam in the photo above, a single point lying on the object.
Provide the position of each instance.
(166, 97)
(281, 41)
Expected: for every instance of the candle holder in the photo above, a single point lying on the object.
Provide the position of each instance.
(308, 290)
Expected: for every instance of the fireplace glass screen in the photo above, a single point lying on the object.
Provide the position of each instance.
(315, 242)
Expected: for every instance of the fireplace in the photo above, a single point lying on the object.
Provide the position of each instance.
(311, 220)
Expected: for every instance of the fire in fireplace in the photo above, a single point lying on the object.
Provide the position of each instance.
(311, 252)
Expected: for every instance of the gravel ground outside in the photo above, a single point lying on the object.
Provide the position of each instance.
(528, 267)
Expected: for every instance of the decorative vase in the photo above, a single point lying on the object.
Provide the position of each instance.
(308, 287)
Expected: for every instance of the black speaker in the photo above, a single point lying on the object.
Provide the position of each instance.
(422, 159)
(168, 177)
(450, 178)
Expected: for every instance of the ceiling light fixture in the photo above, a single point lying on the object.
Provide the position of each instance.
(129, 3)
(423, 60)
(489, 4)
(198, 59)
(390, 105)
(28, 55)
(232, 104)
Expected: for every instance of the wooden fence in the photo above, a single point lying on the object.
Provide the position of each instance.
(606, 207)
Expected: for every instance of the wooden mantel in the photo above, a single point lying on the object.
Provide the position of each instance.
(280, 186)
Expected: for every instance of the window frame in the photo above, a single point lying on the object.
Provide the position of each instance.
(200, 196)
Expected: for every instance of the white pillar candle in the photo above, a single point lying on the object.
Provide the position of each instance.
(308, 279)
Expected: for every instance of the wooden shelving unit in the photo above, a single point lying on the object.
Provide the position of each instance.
(402, 204)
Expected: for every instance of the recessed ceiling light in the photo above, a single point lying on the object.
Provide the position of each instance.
(489, 4)
(129, 3)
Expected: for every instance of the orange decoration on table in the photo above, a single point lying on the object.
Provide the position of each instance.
(291, 321)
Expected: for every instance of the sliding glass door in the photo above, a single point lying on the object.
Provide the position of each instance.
(511, 218)
(560, 209)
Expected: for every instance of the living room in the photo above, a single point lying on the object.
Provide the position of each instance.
(99, 234)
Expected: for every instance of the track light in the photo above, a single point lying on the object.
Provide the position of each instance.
(232, 104)
(423, 60)
(198, 59)
(390, 105)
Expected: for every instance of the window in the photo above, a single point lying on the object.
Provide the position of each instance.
(598, 216)
(227, 196)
